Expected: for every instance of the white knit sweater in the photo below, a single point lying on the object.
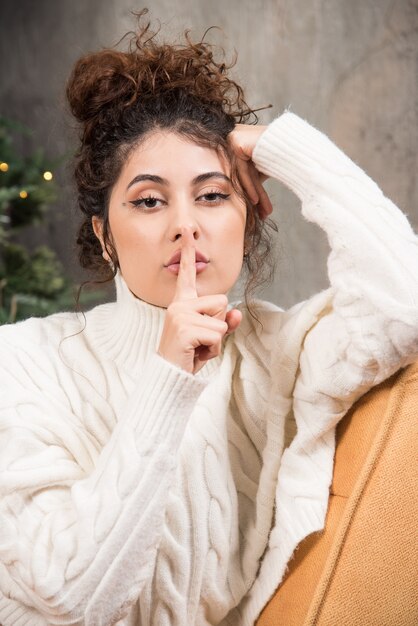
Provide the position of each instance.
(133, 491)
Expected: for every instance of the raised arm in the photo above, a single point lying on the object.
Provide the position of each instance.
(373, 264)
(80, 525)
(331, 349)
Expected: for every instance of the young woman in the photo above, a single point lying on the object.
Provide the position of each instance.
(144, 476)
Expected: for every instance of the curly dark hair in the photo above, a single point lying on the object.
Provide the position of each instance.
(120, 97)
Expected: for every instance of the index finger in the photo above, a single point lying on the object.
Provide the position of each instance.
(186, 278)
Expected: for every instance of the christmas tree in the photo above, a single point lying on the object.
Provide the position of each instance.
(32, 282)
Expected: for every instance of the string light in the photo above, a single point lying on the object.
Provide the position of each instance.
(48, 175)
(4, 166)
(23, 194)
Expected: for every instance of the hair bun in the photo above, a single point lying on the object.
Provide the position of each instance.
(99, 79)
(104, 83)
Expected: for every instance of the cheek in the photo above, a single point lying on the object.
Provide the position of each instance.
(230, 248)
(129, 237)
(233, 229)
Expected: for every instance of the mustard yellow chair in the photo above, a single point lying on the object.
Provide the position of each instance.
(362, 569)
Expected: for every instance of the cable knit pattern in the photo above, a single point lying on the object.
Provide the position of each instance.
(133, 493)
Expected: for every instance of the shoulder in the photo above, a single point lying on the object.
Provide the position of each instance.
(268, 331)
(261, 321)
(44, 335)
(46, 330)
(42, 353)
(30, 352)
(37, 331)
(265, 319)
(259, 316)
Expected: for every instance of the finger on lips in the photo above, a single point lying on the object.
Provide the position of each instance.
(186, 278)
(195, 326)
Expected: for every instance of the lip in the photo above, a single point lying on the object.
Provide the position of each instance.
(173, 264)
(199, 257)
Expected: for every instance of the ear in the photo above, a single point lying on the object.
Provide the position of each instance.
(97, 224)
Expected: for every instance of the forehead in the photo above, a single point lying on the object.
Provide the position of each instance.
(171, 155)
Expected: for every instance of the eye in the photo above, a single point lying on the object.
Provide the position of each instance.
(147, 203)
(214, 197)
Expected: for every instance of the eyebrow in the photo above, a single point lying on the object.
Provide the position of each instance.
(163, 181)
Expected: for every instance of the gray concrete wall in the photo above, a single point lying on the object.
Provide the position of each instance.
(348, 66)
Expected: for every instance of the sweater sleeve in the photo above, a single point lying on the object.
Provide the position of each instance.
(371, 329)
(79, 534)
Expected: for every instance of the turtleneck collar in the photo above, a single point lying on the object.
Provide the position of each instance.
(128, 330)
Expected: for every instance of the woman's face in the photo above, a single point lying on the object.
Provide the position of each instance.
(168, 184)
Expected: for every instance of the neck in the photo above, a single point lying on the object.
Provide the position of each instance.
(129, 330)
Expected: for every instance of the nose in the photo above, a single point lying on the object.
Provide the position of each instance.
(184, 217)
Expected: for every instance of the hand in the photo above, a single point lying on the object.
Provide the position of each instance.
(195, 326)
(243, 139)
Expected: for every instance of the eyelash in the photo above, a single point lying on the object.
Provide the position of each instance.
(139, 203)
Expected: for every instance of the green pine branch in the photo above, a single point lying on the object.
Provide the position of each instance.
(31, 283)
